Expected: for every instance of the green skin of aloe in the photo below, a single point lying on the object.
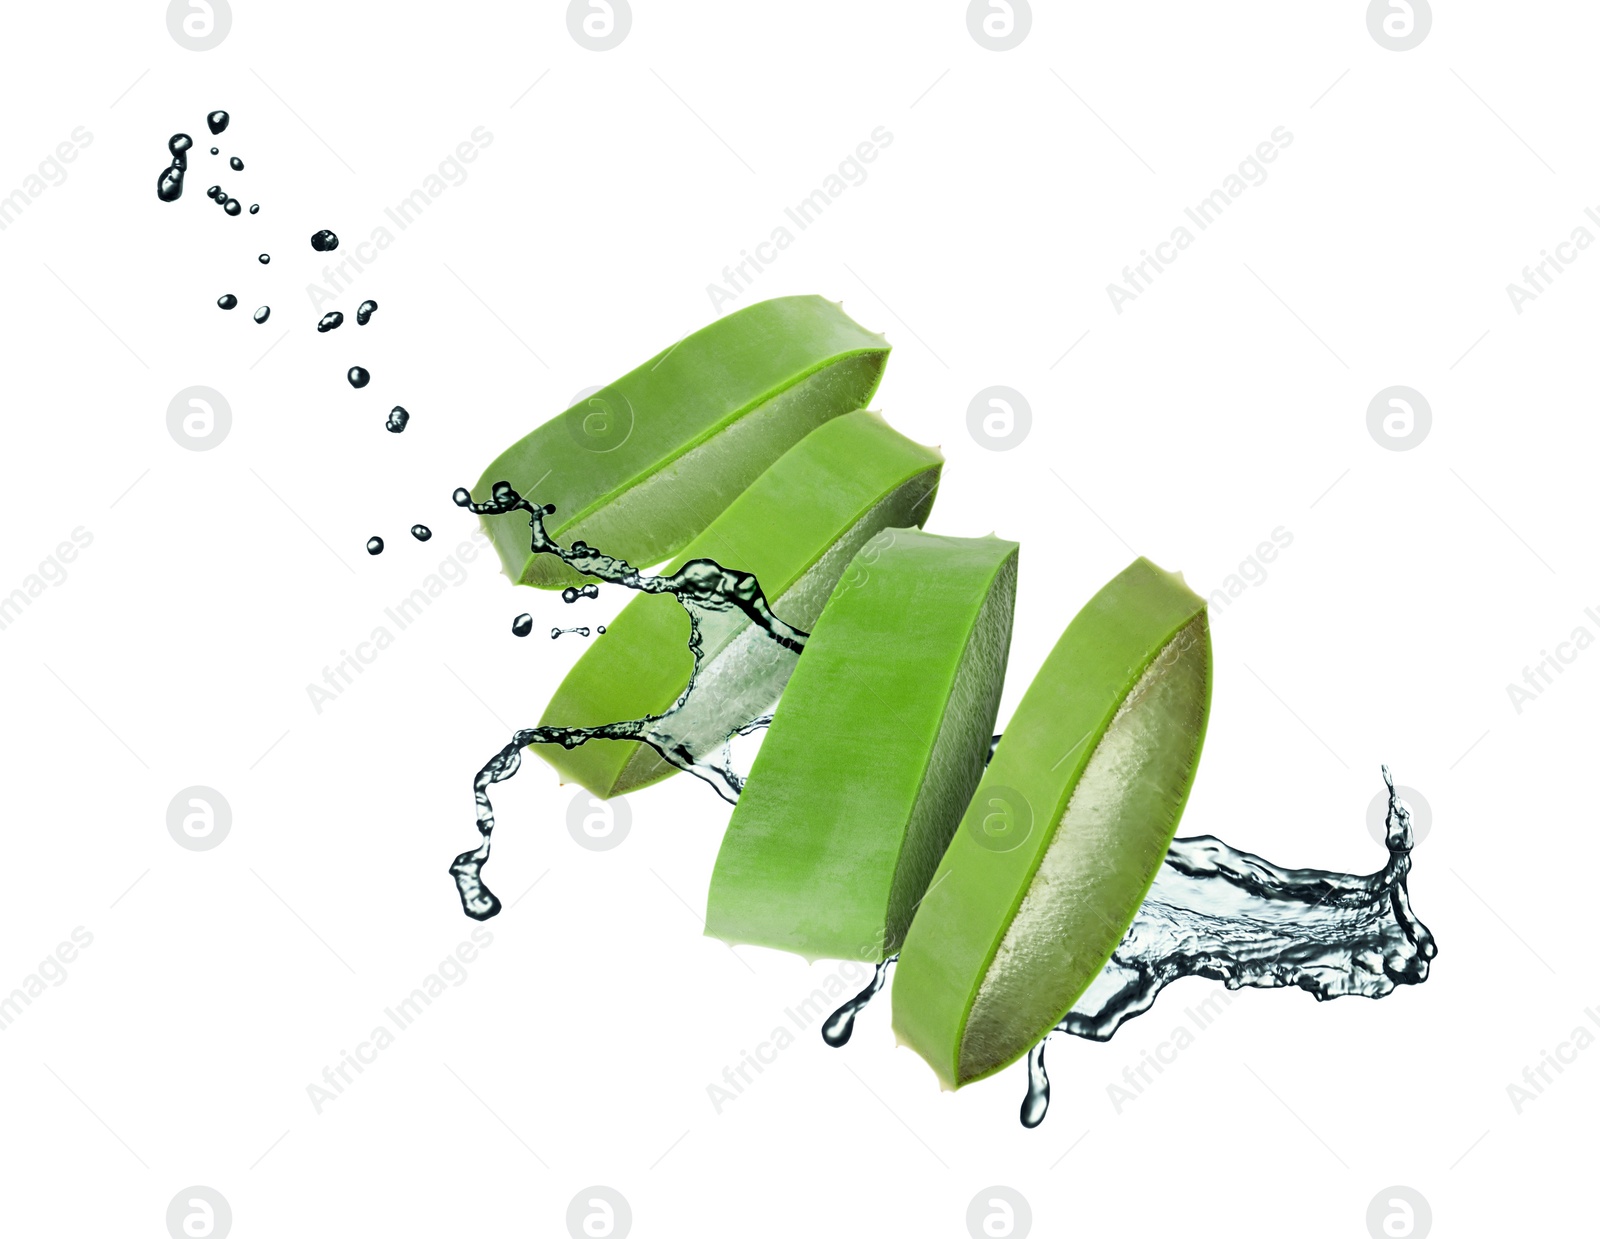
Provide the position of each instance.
(874, 751)
(644, 465)
(796, 528)
(1085, 788)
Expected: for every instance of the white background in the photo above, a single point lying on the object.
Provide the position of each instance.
(1222, 404)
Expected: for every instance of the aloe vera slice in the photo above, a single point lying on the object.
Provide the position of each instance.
(796, 528)
(1065, 833)
(874, 751)
(644, 465)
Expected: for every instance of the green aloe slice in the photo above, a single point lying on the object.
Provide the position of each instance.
(874, 751)
(642, 466)
(1065, 833)
(796, 528)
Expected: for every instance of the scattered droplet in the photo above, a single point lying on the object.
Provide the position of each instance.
(178, 143)
(329, 321)
(573, 592)
(324, 241)
(600, 631)
(263, 313)
(398, 418)
(556, 632)
(358, 377)
(232, 207)
(217, 121)
(227, 301)
(263, 259)
(254, 207)
(169, 185)
(236, 164)
(421, 533)
(374, 546)
(522, 625)
(364, 312)
(213, 191)
(213, 150)
(461, 496)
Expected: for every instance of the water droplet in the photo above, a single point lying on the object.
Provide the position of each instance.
(329, 321)
(213, 150)
(601, 631)
(421, 533)
(263, 313)
(374, 546)
(169, 185)
(324, 241)
(236, 164)
(232, 207)
(227, 301)
(213, 191)
(358, 377)
(263, 259)
(569, 594)
(179, 142)
(254, 207)
(364, 312)
(398, 418)
(217, 121)
(522, 625)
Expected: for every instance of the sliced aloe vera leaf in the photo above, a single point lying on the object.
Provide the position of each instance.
(873, 753)
(642, 466)
(796, 528)
(1065, 833)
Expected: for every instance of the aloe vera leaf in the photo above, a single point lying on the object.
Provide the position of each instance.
(1065, 833)
(873, 753)
(796, 528)
(642, 466)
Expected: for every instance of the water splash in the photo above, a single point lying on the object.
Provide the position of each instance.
(836, 1029)
(169, 185)
(1214, 911)
(697, 731)
(559, 632)
(573, 592)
